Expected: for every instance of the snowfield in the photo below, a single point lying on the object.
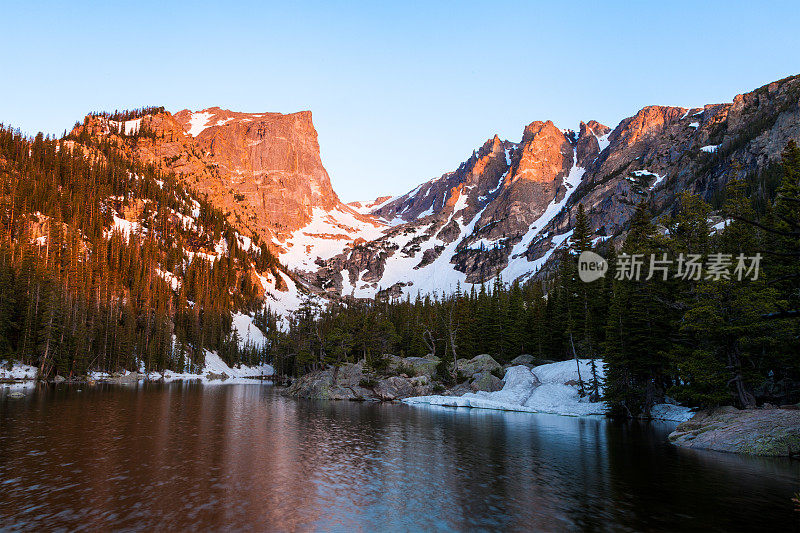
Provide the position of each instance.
(326, 235)
(283, 302)
(198, 122)
(248, 332)
(551, 388)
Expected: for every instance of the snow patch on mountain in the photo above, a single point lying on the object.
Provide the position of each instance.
(325, 236)
(249, 333)
(126, 227)
(641, 173)
(518, 264)
(130, 126)
(366, 208)
(198, 122)
(173, 280)
(521, 268)
(603, 141)
(348, 289)
(285, 302)
(483, 244)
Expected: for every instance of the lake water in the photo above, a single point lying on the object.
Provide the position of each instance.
(243, 457)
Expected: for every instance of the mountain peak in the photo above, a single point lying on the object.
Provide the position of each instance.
(263, 169)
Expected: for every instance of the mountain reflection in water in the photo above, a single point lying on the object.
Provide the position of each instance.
(187, 456)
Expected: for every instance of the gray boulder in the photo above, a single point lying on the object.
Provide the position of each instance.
(348, 382)
(351, 382)
(771, 432)
(524, 359)
(394, 388)
(130, 377)
(478, 364)
(422, 366)
(486, 381)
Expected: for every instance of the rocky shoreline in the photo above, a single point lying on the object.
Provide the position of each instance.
(548, 388)
(766, 432)
(523, 385)
(402, 377)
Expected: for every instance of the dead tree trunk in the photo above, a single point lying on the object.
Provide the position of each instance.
(578, 364)
(746, 398)
(452, 333)
(430, 342)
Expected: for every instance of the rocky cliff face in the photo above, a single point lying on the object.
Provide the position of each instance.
(469, 224)
(270, 159)
(262, 169)
(663, 151)
(509, 205)
(504, 210)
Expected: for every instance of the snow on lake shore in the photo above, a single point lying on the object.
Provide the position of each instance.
(19, 375)
(214, 368)
(17, 370)
(551, 388)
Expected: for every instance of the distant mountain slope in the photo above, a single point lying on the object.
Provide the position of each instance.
(503, 211)
(263, 170)
(110, 263)
(506, 208)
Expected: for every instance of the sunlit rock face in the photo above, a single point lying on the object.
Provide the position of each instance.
(507, 207)
(263, 170)
(504, 210)
(270, 160)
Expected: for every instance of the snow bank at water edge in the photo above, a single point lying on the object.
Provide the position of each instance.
(541, 390)
(215, 371)
(551, 388)
(212, 373)
(16, 376)
(13, 370)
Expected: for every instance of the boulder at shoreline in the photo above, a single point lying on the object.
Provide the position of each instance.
(768, 432)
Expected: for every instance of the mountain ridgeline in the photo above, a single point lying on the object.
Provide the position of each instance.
(143, 238)
(509, 205)
(504, 210)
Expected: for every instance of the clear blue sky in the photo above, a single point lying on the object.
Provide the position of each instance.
(400, 93)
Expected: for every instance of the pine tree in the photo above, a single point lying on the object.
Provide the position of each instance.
(637, 330)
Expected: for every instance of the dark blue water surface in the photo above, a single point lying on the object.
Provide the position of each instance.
(243, 457)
